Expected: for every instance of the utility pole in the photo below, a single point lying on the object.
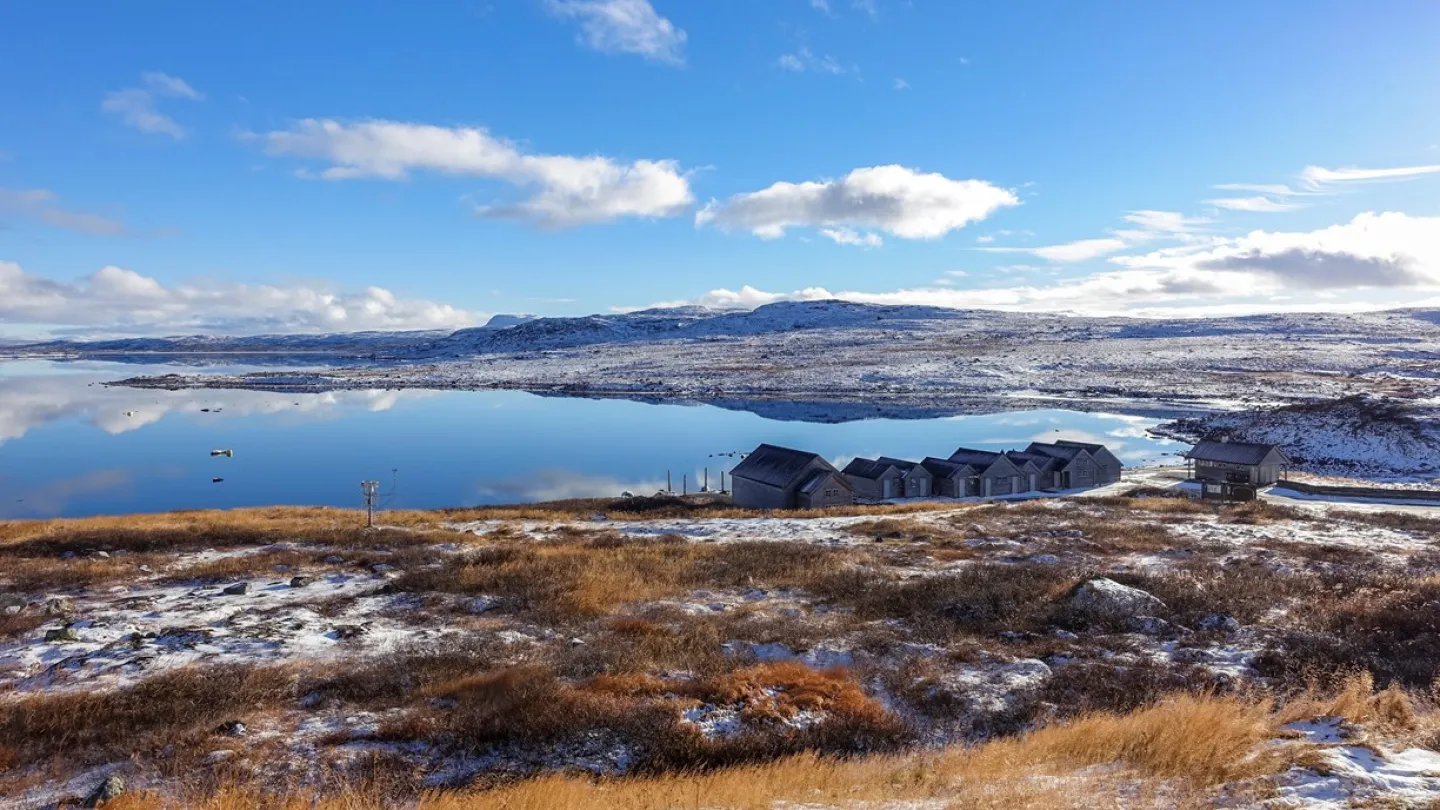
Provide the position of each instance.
(685, 484)
(705, 487)
(669, 488)
(371, 490)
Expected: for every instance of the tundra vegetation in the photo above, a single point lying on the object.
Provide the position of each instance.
(665, 653)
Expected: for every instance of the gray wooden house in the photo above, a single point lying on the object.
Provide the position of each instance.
(775, 477)
(1109, 464)
(915, 481)
(884, 478)
(874, 480)
(1039, 470)
(1238, 463)
(1074, 467)
(997, 474)
(951, 479)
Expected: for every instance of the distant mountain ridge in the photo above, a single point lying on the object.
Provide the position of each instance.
(521, 333)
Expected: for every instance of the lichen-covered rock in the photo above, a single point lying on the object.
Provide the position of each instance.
(1108, 599)
(62, 634)
(1219, 623)
(111, 789)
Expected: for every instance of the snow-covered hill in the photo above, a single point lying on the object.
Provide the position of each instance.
(520, 333)
(1359, 436)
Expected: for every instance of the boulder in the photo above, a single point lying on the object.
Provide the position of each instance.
(238, 589)
(481, 604)
(300, 582)
(1154, 626)
(231, 728)
(1107, 599)
(61, 635)
(1219, 623)
(111, 789)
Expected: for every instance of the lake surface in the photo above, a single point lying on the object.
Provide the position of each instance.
(70, 446)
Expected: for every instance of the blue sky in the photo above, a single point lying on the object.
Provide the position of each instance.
(172, 167)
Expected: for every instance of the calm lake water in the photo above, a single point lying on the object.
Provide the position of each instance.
(70, 446)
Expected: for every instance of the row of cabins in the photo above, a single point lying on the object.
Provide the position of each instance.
(971, 473)
(780, 478)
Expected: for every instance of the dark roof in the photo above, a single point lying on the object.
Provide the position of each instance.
(1057, 450)
(940, 468)
(820, 476)
(1091, 447)
(975, 458)
(1235, 452)
(1039, 460)
(899, 463)
(866, 468)
(774, 466)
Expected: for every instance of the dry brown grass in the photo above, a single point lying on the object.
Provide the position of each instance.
(1172, 754)
(94, 726)
(16, 625)
(979, 598)
(583, 577)
(648, 509)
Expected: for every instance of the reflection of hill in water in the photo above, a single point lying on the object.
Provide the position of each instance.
(29, 402)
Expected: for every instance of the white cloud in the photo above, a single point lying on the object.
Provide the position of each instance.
(867, 6)
(849, 236)
(1151, 225)
(138, 106)
(569, 190)
(43, 206)
(894, 199)
(1277, 189)
(821, 5)
(1263, 205)
(1314, 181)
(120, 301)
(1372, 258)
(1318, 177)
(1370, 251)
(804, 60)
(624, 26)
(901, 84)
(1165, 222)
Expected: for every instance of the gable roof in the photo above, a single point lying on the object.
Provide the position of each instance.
(867, 467)
(980, 459)
(985, 461)
(1040, 461)
(904, 466)
(775, 466)
(1090, 447)
(940, 468)
(1064, 452)
(820, 477)
(1237, 453)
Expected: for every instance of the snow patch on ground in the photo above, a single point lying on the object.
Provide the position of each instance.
(1358, 775)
